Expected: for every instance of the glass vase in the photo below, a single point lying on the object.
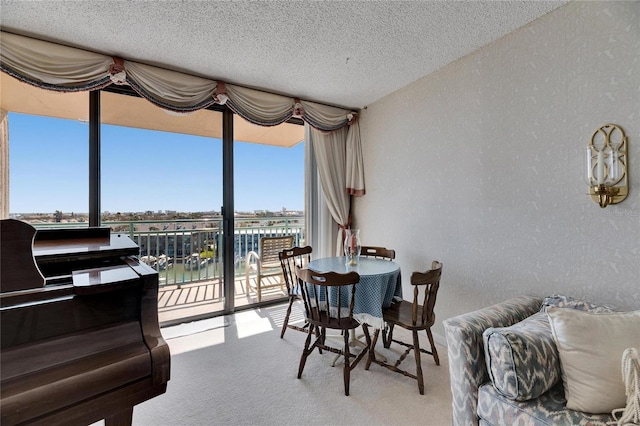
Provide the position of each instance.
(352, 246)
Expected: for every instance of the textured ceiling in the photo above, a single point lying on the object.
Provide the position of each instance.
(344, 53)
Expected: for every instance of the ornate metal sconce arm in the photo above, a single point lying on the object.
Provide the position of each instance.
(607, 165)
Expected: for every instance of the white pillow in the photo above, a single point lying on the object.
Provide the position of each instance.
(590, 348)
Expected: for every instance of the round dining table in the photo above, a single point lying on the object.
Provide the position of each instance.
(380, 284)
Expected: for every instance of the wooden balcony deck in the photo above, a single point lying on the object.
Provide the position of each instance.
(202, 298)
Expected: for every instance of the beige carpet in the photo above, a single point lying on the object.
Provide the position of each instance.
(236, 370)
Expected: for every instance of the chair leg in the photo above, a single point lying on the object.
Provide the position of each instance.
(347, 365)
(367, 337)
(387, 336)
(305, 351)
(286, 317)
(372, 353)
(434, 352)
(416, 352)
(248, 283)
(258, 288)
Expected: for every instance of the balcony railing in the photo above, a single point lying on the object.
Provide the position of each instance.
(186, 251)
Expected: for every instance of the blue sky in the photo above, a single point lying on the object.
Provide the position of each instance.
(143, 170)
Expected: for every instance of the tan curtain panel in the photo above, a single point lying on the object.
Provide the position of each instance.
(331, 157)
(4, 165)
(355, 167)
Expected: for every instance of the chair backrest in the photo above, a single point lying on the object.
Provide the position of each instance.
(378, 252)
(270, 248)
(289, 259)
(339, 289)
(424, 301)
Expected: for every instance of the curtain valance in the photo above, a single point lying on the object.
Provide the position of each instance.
(62, 68)
(67, 69)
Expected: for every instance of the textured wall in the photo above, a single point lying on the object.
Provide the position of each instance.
(481, 165)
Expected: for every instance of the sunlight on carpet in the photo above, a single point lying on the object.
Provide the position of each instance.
(246, 324)
(250, 323)
(236, 370)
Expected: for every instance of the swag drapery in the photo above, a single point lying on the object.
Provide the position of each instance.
(335, 133)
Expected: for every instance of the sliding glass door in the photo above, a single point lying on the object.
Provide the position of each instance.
(196, 192)
(161, 182)
(269, 201)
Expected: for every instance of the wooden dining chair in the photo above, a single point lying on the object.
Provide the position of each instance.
(377, 252)
(289, 259)
(414, 316)
(339, 290)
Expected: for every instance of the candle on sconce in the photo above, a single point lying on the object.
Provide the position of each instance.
(600, 168)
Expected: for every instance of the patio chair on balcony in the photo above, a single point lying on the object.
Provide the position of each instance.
(266, 264)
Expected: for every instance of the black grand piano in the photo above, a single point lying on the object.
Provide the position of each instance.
(79, 317)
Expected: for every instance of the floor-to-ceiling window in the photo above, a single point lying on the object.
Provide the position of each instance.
(269, 201)
(161, 180)
(48, 169)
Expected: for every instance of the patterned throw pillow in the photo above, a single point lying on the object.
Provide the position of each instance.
(562, 301)
(522, 359)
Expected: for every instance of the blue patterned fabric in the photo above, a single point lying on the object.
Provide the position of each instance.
(465, 347)
(380, 283)
(562, 301)
(547, 410)
(468, 368)
(522, 360)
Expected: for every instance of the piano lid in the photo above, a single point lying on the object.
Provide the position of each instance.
(81, 243)
(18, 271)
(28, 255)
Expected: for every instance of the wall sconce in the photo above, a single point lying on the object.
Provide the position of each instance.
(607, 165)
